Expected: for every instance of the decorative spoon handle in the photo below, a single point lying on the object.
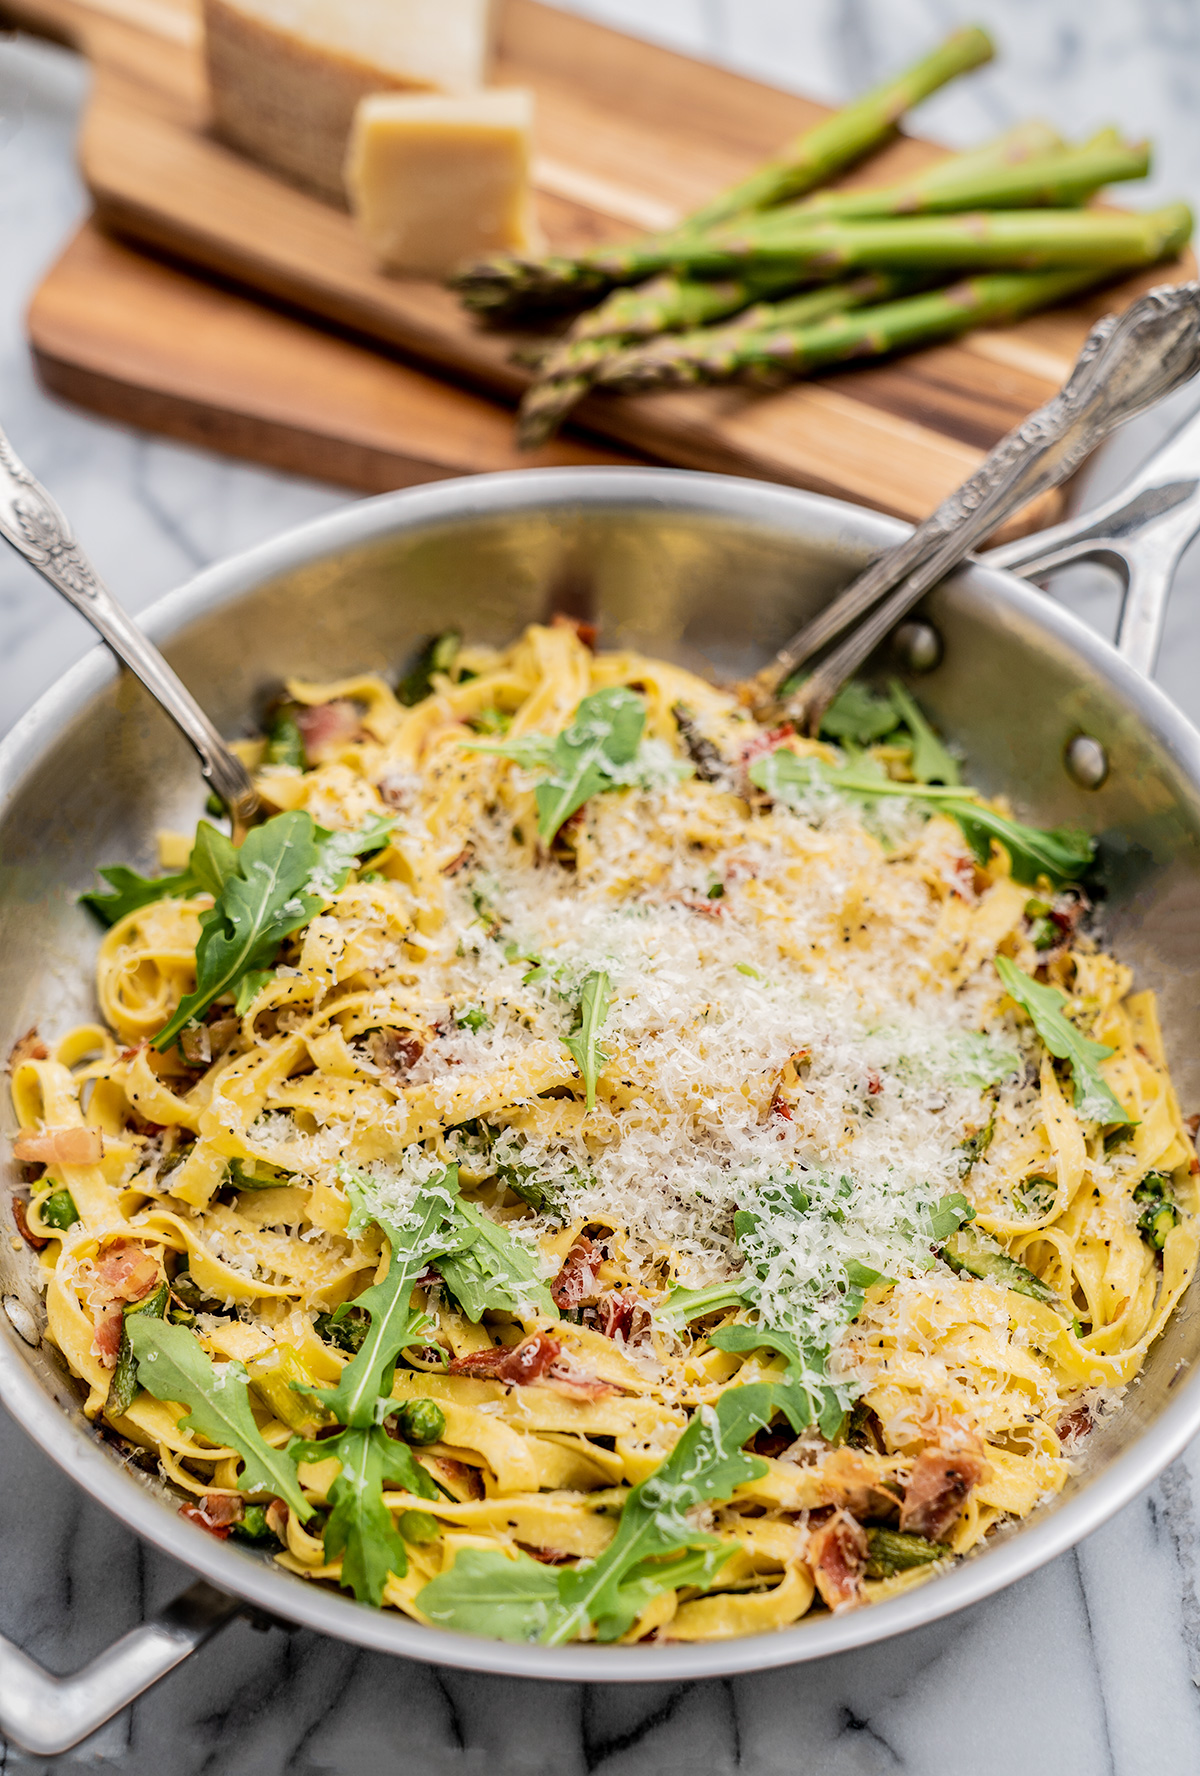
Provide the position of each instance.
(32, 522)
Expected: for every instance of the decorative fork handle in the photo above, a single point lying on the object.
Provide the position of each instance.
(32, 522)
(1127, 363)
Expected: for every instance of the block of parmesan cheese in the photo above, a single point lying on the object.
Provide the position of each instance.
(286, 75)
(437, 180)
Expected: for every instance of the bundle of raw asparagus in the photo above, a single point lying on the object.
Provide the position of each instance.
(800, 281)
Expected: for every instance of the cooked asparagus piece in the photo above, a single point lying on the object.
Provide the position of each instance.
(783, 347)
(509, 284)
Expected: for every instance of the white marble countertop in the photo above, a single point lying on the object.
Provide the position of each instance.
(1090, 1667)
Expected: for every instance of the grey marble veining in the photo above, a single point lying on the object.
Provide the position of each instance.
(1090, 1667)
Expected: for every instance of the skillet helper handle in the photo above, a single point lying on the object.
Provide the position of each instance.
(47, 1715)
(35, 527)
(1142, 533)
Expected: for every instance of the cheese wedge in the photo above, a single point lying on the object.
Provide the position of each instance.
(286, 75)
(434, 180)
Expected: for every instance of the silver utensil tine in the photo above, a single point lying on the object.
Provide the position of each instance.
(1142, 531)
(1127, 363)
(32, 522)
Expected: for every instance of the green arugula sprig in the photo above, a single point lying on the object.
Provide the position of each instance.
(171, 1365)
(131, 892)
(282, 875)
(655, 1547)
(583, 1044)
(930, 762)
(487, 1270)
(593, 753)
(1094, 1098)
(359, 1527)
(1063, 854)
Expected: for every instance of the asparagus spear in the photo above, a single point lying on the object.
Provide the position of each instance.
(717, 354)
(978, 240)
(850, 133)
(509, 284)
(1065, 176)
(569, 373)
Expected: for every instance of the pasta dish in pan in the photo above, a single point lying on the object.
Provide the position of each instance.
(589, 1167)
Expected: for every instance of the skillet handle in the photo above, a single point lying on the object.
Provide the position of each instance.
(47, 1715)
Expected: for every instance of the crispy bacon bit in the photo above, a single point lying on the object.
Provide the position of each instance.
(23, 1228)
(61, 1146)
(126, 1271)
(458, 863)
(587, 632)
(837, 1555)
(28, 1047)
(516, 1364)
(326, 727)
(547, 1556)
(395, 1052)
(1075, 1425)
(106, 1343)
(1192, 1125)
(277, 1519)
(960, 876)
(217, 1512)
(874, 1085)
(940, 1485)
(537, 1359)
(781, 1107)
(621, 1316)
(576, 1281)
(457, 1475)
(763, 743)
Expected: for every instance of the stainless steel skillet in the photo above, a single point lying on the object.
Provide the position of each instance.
(712, 572)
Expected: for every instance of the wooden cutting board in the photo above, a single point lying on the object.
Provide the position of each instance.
(630, 135)
(145, 343)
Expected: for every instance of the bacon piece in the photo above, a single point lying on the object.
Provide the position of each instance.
(939, 1486)
(28, 1047)
(26, 1232)
(874, 1085)
(537, 1359)
(106, 1341)
(326, 727)
(395, 1052)
(837, 1555)
(622, 1316)
(781, 1107)
(77, 1146)
(763, 743)
(1075, 1425)
(127, 1272)
(515, 1364)
(547, 1556)
(277, 1519)
(217, 1512)
(455, 1473)
(587, 632)
(576, 1281)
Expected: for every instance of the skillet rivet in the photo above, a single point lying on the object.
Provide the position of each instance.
(919, 646)
(1087, 761)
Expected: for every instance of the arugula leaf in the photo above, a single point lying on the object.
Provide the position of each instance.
(131, 892)
(706, 1463)
(249, 987)
(859, 715)
(655, 1547)
(214, 858)
(485, 1592)
(172, 1366)
(587, 756)
(393, 1323)
(931, 762)
(360, 1526)
(1094, 1098)
(682, 1306)
(285, 742)
(282, 875)
(949, 1216)
(487, 1269)
(438, 654)
(800, 1402)
(583, 1043)
(1062, 853)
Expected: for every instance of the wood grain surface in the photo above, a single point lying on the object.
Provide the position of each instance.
(629, 135)
(145, 343)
